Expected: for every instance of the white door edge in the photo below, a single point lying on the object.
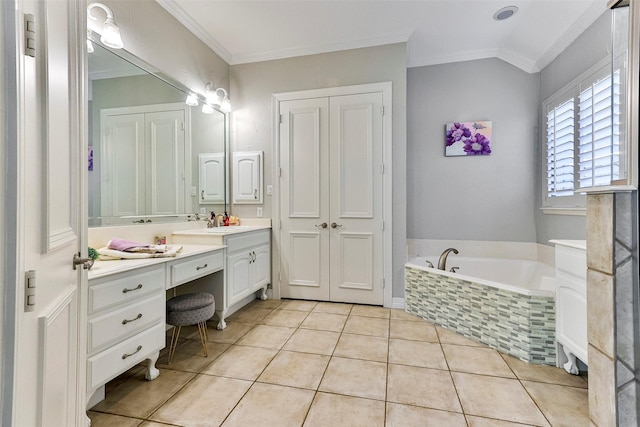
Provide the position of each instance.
(387, 128)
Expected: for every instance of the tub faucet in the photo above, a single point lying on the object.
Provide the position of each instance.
(442, 262)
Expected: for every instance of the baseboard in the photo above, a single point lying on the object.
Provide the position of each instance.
(397, 303)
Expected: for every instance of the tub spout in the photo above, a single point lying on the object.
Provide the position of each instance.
(442, 262)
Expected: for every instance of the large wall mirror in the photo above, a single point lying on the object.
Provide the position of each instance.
(152, 158)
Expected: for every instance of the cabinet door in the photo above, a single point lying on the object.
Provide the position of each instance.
(247, 177)
(165, 162)
(261, 266)
(211, 174)
(239, 282)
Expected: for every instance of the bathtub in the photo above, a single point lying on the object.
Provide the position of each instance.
(522, 276)
(507, 304)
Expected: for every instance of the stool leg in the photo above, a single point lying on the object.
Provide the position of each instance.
(202, 328)
(174, 343)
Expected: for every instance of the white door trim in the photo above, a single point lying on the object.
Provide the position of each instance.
(387, 122)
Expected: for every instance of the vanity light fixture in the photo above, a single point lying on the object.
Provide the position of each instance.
(110, 32)
(207, 109)
(90, 46)
(192, 100)
(218, 97)
(505, 13)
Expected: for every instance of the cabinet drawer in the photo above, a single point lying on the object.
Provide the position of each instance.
(247, 240)
(107, 364)
(125, 287)
(118, 324)
(195, 267)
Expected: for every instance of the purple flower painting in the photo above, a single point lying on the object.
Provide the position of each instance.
(468, 138)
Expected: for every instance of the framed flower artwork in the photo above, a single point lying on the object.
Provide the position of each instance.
(468, 138)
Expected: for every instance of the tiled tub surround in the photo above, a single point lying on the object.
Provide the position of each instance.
(520, 323)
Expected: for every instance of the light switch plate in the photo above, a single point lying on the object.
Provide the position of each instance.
(269, 190)
(259, 212)
(194, 191)
(203, 210)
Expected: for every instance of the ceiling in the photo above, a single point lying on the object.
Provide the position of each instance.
(436, 31)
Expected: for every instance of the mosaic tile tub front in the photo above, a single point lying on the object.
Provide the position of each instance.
(518, 324)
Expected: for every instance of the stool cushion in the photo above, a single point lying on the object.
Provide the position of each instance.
(190, 309)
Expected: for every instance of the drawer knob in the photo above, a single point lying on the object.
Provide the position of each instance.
(125, 290)
(124, 356)
(125, 321)
(200, 267)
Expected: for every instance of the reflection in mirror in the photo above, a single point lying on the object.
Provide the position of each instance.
(146, 146)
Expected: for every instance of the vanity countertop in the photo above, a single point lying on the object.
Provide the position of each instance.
(221, 231)
(106, 268)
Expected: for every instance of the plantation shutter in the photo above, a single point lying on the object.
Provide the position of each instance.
(560, 149)
(599, 130)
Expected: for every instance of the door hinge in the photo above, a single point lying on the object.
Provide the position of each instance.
(384, 284)
(382, 226)
(280, 118)
(29, 35)
(280, 224)
(280, 173)
(182, 125)
(382, 110)
(382, 168)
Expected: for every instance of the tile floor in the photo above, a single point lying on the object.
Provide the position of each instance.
(301, 363)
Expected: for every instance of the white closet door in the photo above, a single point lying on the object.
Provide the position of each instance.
(356, 198)
(304, 151)
(123, 166)
(331, 199)
(165, 162)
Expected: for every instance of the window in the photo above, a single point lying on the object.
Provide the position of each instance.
(599, 145)
(560, 149)
(582, 137)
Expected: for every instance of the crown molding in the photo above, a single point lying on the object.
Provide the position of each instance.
(177, 12)
(391, 38)
(457, 57)
(592, 13)
(517, 60)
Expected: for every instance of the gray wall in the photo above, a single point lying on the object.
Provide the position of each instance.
(589, 48)
(472, 197)
(153, 35)
(251, 126)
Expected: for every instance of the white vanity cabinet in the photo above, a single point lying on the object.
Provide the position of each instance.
(247, 264)
(126, 318)
(571, 302)
(126, 310)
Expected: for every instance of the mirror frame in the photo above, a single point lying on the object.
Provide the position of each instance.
(145, 66)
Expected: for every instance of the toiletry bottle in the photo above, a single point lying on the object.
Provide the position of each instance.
(226, 219)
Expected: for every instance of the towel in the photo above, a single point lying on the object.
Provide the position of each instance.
(107, 253)
(130, 246)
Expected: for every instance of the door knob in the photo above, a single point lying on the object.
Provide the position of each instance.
(323, 225)
(334, 225)
(86, 263)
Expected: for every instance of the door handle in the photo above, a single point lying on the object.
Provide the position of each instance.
(334, 225)
(255, 194)
(84, 262)
(323, 225)
(202, 194)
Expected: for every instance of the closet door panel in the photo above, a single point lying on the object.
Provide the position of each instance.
(356, 204)
(123, 166)
(165, 154)
(304, 202)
